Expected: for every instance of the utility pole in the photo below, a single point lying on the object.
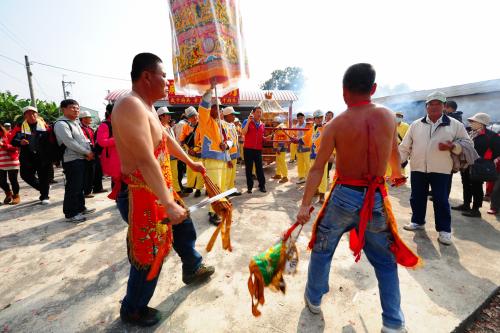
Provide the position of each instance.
(30, 74)
(64, 85)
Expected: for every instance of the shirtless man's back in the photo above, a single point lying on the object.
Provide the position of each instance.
(364, 137)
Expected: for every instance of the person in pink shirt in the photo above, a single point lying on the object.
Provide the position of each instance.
(110, 160)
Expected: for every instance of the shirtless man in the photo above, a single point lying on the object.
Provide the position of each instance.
(373, 130)
(157, 217)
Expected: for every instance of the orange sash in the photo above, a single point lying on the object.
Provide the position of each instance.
(404, 256)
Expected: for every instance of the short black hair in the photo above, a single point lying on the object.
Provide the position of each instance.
(452, 104)
(359, 78)
(109, 109)
(327, 112)
(300, 114)
(68, 102)
(257, 108)
(143, 62)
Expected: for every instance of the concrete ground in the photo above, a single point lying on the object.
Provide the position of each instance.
(61, 277)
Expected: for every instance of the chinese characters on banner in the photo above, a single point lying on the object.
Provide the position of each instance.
(231, 98)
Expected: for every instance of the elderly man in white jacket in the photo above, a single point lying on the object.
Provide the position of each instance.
(428, 144)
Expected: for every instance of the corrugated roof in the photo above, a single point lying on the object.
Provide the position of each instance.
(245, 96)
(481, 87)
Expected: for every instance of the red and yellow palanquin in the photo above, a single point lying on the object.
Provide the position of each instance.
(207, 44)
(150, 236)
(271, 110)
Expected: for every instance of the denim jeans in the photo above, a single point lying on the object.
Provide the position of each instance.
(342, 215)
(74, 200)
(139, 290)
(439, 183)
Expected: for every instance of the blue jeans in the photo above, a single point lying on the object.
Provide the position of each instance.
(439, 183)
(342, 215)
(74, 199)
(139, 290)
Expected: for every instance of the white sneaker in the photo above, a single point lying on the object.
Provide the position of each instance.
(413, 226)
(301, 180)
(394, 330)
(45, 202)
(88, 211)
(76, 219)
(313, 308)
(445, 238)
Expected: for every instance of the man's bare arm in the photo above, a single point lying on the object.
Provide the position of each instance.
(395, 159)
(132, 125)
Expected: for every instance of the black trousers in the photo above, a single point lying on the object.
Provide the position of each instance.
(254, 157)
(36, 174)
(97, 185)
(88, 177)
(181, 171)
(74, 200)
(473, 190)
(4, 185)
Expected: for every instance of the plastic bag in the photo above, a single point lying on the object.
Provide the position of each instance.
(207, 45)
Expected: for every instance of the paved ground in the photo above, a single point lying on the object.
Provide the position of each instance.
(60, 277)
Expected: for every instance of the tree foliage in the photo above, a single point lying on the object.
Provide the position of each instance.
(290, 78)
(11, 108)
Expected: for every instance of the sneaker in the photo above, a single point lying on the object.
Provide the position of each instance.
(15, 199)
(249, 191)
(386, 329)
(197, 193)
(445, 238)
(76, 219)
(313, 308)
(88, 211)
(187, 190)
(461, 208)
(144, 318)
(301, 180)
(235, 194)
(414, 226)
(45, 202)
(472, 213)
(276, 177)
(202, 274)
(262, 189)
(8, 198)
(283, 180)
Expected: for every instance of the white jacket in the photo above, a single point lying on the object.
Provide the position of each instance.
(421, 145)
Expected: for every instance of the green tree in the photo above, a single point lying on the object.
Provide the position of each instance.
(11, 108)
(290, 78)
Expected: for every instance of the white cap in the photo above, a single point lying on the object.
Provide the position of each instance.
(163, 110)
(7, 124)
(228, 110)
(190, 112)
(84, 114)
(236, 119)
(481, 117)
(29, 108)
(318, 114)
(436, 96)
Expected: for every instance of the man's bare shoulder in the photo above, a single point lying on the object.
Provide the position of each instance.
(382, 110)
(132, 104)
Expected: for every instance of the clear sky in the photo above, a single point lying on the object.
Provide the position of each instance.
(423, 44)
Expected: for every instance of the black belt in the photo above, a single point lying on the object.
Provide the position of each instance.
(358, 188)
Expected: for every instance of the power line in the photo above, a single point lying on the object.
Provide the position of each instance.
(13, 77)
(13, 60)
(13, 37)
(80, 72)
